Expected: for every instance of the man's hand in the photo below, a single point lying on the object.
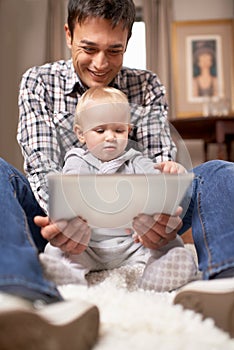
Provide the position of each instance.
(156, 231)
(70, 236)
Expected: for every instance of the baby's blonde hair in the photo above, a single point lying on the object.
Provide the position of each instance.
(101, 94)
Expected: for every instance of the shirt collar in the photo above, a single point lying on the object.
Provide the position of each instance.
(73, 83)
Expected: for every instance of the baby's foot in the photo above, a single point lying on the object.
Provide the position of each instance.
(61, 271)
(173, 270)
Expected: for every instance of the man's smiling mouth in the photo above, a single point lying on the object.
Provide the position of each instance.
(98, 74)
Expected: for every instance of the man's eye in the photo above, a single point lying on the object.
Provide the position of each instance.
(114, 52)
(89, 49)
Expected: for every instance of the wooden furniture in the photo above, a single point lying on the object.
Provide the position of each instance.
(219, 130)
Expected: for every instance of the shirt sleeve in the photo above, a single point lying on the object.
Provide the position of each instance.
(151, 129)
(144, 165)
(37, 135)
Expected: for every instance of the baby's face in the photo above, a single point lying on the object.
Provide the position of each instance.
(107, 141)
(105, 130)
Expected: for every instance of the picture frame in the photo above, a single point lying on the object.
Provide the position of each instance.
(203, 66)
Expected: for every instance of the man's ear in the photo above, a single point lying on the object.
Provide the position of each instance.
(68, 36)
(79, 133)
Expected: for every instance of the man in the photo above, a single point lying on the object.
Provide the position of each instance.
(97, 41)
(97, 34)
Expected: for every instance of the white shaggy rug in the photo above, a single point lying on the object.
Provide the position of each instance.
(140, 320)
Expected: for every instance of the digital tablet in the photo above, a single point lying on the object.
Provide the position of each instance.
(112, 201)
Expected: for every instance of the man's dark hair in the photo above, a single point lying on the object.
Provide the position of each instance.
(117, 11)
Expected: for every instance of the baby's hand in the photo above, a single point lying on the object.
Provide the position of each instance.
(170, 167)
(135, 237)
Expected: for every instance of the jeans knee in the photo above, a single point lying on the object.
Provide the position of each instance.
(214, 167)
(8, 171)
(4, 168)
(216, 163)
(3, 163)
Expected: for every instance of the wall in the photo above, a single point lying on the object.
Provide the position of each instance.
(21, 46)
(24, 42)
(187, 10)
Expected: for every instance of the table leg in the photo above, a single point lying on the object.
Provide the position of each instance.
(220, 137)
(206, 150)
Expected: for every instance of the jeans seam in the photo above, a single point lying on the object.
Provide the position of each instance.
(210, 265)
(204, 230)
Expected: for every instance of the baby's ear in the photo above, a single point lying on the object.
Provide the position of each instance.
(79, 133)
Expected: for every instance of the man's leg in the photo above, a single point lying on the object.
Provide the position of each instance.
(20, 270)
(211, 213)
(26, 315)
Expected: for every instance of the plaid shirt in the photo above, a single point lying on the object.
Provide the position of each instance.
(47, 100)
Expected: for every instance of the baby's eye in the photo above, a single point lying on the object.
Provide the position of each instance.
(120, 131)
(99, 131)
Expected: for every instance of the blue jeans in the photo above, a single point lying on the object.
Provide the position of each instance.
(210, 213)
(20, 270)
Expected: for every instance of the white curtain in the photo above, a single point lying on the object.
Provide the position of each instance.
(158, 16)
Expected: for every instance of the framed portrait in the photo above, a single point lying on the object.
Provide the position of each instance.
(203, 65)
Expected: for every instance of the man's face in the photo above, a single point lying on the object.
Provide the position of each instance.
(97, 50)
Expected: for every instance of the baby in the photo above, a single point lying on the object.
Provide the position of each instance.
(102, 125)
